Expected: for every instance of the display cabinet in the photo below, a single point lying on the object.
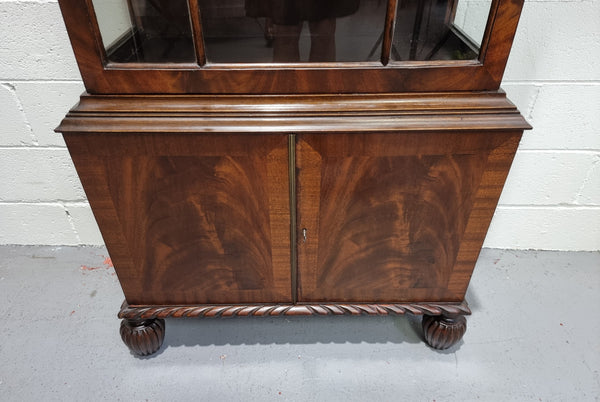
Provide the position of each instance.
(292, 157)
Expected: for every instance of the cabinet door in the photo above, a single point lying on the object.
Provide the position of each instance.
(395, 217)
(191, 219)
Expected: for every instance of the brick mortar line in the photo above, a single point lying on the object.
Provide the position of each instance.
(561, 151)
(39, 81)
(552, 82)
(48, 203)
(29, 147)
(565, 207)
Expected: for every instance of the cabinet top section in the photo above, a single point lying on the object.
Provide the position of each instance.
(290, 46)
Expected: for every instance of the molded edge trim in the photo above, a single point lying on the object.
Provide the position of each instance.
(296, 114)
(263, 310)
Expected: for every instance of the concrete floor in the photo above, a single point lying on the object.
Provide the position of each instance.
(533, 336)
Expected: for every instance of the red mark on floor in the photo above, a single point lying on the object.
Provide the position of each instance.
(72, 312)
(86, 268)
(107, 265)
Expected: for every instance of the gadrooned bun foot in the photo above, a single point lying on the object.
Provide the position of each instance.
(143, 337)
(441, 332)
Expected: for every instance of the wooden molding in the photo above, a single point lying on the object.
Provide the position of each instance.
(295, 113)
(139, 312)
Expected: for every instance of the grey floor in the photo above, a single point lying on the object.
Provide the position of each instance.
(534, 336)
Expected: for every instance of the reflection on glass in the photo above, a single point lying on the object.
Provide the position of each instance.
(155, 31)
(470, 17)
(291, 31)
(439, 29)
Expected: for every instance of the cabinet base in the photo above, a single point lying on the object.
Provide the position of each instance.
(143, 327)
(442, 332)
(143, 337)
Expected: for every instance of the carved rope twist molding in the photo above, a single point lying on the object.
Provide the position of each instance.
(208, 311)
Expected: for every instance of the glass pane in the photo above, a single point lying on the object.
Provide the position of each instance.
(439, 29)
(150, 31)
(292, 31)
(471, 18)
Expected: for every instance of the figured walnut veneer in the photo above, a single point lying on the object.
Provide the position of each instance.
(390, 216)
(191, 219)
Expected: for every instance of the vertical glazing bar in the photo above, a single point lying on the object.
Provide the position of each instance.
(488, 29)
(293, 223)
(388, 32)
(96, 29)
(414, 42)
(136, 25)
(197, 32)
(450, 12)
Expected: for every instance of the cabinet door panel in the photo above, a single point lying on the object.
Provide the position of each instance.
(192, 218)
(395, 217)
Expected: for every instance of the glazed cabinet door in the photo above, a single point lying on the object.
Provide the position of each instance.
(395, 217)
(191, 218)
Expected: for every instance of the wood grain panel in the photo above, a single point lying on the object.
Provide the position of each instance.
(391, 214)
(201, 226)
(486, 200)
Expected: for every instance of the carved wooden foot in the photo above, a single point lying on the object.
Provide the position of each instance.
(441, 331)
(143, 337)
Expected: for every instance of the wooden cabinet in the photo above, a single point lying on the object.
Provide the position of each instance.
(341, 186)
(392, 216)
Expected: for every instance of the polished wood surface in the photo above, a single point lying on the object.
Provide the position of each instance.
(143, 337)
(388, 31)
(101, 77)
(220, 114)
(197, 31)
(390, 217)
(191, 218)
(442, 332)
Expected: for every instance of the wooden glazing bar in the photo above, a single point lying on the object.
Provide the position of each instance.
(197, 32)
(96, 30)
(388, 32)
(451, 12)
(488, 29)
(414, 43)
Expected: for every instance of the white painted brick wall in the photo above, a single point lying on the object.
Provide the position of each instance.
(551, 199)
